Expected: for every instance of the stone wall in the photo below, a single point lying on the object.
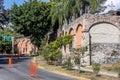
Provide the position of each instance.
(107, 40)
(105, 52)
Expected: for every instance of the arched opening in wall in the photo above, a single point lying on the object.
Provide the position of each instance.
(79, 36)
(104, 42)
(17, 49)
(62, 33)
(65, 33)
(23, 46)
(29, 47)
(71, 32)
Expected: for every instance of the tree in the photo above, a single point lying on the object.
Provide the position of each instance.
(57, 13)
(94, 5)
(64, 10)
(32, 19)
(4, 19)
(8, 32)
(79, 53)
(51, 52)
(6, 40)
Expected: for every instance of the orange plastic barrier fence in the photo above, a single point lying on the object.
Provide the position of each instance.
(33, 69)
(10, 62)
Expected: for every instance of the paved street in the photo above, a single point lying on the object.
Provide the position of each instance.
(20, 71)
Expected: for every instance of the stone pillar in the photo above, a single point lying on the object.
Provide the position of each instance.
(85, 42)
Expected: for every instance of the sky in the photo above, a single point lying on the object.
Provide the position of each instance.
(112, 5)
(9, 3)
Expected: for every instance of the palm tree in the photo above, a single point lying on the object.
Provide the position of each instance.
(57, 13)
(94, 4)
(64, 10)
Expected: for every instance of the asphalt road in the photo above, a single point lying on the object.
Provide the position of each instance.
(20, 71)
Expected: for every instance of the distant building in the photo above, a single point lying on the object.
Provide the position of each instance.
(23, 45)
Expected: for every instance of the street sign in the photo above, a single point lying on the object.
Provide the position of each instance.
(7, 38)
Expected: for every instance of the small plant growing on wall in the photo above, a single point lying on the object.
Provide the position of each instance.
(96, 68)
(114, 53)
(78, 54)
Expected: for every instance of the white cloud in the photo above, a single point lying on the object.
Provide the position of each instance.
(112, 5)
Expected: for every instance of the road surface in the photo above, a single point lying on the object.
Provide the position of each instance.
(20, 71)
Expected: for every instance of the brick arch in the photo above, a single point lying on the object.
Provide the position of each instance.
(24, 46)
(71, 31)
(28, 46)
(19, 46)
(79, 35)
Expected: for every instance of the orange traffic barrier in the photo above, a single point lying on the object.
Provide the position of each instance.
(33, 69)
(10, 62)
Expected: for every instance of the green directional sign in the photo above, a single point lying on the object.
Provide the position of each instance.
(7, 38)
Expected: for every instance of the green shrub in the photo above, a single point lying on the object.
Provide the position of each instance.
(69, 64)
(96, 68)
(108, 68)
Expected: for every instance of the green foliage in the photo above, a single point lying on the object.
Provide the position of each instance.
(78, 53)
(5, 46)
(108, 68)
(32, 19)
(67, 39)
(69, 64)
(83, 50)
(116, 67)
(63, 10)
(114, 53)
(51, 52)
(94, 4)
(5, 40)
(96, 68)
(8, 32)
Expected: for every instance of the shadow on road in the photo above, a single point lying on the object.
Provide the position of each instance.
(15, 59)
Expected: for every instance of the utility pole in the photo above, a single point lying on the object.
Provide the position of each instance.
(12, 45)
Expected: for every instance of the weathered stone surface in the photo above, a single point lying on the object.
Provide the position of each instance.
(105, 52)
(105, 42)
